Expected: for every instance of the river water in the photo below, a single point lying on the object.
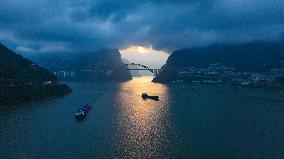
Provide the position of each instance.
(208, 121)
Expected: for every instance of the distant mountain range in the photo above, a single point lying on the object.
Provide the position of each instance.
(21, 80)
(252, 57)
(105, 59)
(109, 58)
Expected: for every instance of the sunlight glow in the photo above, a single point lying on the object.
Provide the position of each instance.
(142, 49)
(145, 55)
(141, 119)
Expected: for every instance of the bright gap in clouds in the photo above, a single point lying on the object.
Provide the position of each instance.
(145, 55)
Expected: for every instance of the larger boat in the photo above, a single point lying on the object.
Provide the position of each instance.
(146, 96)
(82, 112)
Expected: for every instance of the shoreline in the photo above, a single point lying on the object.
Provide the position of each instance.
(15, 95)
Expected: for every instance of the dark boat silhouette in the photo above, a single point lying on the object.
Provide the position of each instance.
(146, 96)
(82, 112)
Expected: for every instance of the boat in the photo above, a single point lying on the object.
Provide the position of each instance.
(146, 96)
(80, 115)
(82, 112)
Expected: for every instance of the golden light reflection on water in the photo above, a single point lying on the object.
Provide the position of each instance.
(142, 123)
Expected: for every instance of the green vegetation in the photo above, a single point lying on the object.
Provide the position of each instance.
(21, 80)
(168, 74)
(16, 70)
(25, 93)
(254, 57)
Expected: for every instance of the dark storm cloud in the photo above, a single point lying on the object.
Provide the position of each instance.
(69, 25)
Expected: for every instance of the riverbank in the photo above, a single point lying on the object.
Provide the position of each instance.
(202, 79)
(12, 95)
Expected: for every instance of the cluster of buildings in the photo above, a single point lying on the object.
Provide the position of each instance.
(67, 75)
(212, 69)
(64, 74)
(218, 73)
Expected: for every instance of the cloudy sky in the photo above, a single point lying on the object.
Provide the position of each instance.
(37, 26)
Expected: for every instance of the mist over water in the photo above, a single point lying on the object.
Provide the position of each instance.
(210, 121)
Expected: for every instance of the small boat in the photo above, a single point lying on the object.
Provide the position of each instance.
(80, 115)
(146, 96)
(82, 112)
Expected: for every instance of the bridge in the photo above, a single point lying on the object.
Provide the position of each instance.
(142, 67)
(105, 71)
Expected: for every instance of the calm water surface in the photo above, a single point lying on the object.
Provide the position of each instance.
(211, 121)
